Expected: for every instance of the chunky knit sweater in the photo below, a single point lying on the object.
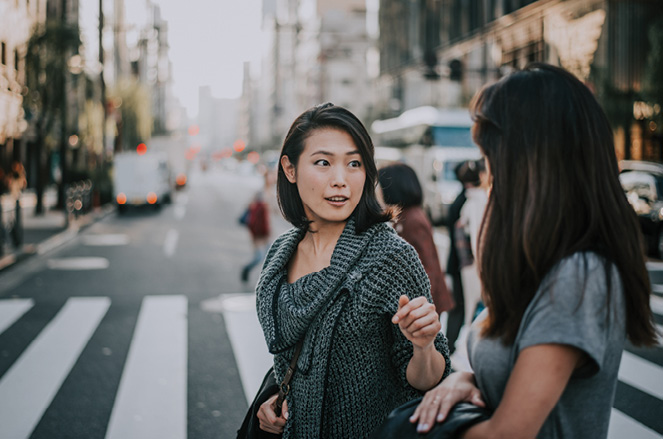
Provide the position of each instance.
(352, 369)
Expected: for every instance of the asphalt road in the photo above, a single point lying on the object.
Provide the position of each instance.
(140, 328)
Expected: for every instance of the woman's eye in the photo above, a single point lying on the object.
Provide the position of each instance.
(321, 162)
(355, 164)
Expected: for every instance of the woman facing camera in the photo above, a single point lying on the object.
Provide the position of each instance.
(563, 273)
(344, 288)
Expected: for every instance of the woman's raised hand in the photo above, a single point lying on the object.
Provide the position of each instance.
(269, 421)
(437, 402)
(418, 320)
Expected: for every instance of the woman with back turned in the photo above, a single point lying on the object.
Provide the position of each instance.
(563, 272)
(401, 188)
(345, 287)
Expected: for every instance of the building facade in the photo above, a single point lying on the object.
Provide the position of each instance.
(604, 42)
(17, 20)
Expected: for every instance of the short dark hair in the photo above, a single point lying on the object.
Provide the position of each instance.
(368, 212)
(555, 192)
(469, 171)
(400, 185)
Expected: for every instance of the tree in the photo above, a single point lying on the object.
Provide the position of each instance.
(46, 68)
(134, 105)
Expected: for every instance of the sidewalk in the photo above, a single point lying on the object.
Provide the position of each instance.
(44, 232)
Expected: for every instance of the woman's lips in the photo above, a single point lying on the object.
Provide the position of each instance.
(337, 201)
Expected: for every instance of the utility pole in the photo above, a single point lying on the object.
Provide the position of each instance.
(62, 192)
(102, 82)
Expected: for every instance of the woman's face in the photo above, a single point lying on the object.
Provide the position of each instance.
(330, 176)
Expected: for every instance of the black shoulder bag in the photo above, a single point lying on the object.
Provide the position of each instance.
(250, 428)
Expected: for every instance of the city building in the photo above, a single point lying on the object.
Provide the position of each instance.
(604, 42)
(17, 20)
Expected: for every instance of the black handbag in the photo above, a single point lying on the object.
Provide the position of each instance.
(250, 428)
(461, 417)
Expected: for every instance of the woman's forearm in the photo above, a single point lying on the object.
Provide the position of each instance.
(426, 368)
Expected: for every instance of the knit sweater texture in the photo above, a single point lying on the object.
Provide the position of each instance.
(352, 369)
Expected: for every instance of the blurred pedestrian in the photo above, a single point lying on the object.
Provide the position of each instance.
(344, 288)
(257, 221)
(466, 231)
(17, 181)
(455, 262)
(401, 188)
(562, 268)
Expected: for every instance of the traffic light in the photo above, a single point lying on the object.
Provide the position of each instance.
(455, 70)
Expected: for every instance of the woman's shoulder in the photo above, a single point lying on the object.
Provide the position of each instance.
(386, 244)
(582, 277)
(285, 243)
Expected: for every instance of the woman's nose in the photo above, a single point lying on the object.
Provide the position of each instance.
(338, 178)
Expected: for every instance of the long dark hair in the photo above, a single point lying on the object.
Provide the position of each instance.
(555, 191)
(368, 212)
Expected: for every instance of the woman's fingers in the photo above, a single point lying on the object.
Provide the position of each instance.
(406, 306)
(429, 408)
(438, 402)
(268, 420)
(428, 331)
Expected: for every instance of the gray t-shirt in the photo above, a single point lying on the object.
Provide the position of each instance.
(569, 308)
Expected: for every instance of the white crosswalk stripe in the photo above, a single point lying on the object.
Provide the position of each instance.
(622, 426)
(641, 374)
(28, 387)
(152, 398)
(12, 310)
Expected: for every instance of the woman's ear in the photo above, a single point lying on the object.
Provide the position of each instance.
(288, 169)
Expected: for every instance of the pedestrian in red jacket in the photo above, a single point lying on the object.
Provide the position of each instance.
(400, 187)
(258, 225)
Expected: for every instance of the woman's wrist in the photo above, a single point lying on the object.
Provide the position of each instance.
(426, 368)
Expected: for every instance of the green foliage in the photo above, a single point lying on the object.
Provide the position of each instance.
(49, 49)
(135, 106)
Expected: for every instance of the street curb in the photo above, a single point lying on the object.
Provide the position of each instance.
(56, 240)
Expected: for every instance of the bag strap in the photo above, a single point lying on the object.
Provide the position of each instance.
(284, 388)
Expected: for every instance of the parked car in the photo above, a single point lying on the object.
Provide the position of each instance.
(643, 184)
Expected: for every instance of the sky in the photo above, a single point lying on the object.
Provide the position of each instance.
(209, 42)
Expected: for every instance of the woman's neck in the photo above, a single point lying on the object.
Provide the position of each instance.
(321, 239)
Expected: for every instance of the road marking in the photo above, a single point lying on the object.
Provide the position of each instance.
(170, 244)
(248, 342)
(106, 240)
(622, 426)
(11, 310)
(641, 374)
(92, 263)
(654, 266)
(657, 304)
(151, 402)
(27, 389)
(179, 211)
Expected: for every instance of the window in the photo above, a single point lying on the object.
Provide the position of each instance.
(16, 60)
(3, 55)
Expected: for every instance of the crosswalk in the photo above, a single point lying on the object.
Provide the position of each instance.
(151, 398)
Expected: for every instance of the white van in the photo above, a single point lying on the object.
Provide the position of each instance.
(433, 141)
(435, 167)
(141, 179)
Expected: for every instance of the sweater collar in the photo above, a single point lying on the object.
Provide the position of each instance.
(287, 311)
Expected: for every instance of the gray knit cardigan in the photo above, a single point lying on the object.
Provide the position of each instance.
(352, 369)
